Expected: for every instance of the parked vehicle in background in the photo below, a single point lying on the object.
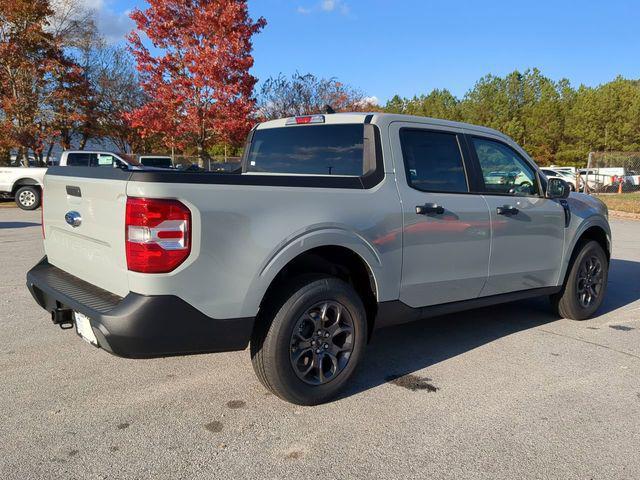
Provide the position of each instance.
(25, 184)
(156, 161)
(561, 169)
(564, 175)
(226, 167)
(336, 226)
(633, 178)
(609, 179)
(96, 158)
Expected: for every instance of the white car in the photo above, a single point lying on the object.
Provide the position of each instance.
(25, 184)
(564, 175)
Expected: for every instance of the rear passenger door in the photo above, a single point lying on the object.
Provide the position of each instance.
(446, 231)
(527, 229)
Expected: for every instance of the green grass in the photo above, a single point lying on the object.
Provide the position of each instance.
(624, 202)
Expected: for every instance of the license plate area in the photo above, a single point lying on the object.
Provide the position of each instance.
(83, 328)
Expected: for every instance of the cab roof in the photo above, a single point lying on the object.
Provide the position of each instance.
(378, 118)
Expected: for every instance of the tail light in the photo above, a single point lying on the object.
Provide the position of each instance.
(158, 234)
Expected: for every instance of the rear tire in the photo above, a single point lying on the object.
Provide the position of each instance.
(585, 285)
(28, 197)
(309, 340)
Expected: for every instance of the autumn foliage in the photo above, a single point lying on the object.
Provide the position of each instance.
(39, 85)
(199, 87)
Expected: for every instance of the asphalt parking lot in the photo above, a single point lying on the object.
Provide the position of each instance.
(501, 393)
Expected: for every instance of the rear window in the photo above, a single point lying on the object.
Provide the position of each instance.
(159, 162)
(308, 150)
(79, 159)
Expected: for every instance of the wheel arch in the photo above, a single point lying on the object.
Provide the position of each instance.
(591, 231)
(25, 182)
(346, 257)
(598, 234)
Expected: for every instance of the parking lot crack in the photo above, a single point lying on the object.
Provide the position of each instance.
(628, 354)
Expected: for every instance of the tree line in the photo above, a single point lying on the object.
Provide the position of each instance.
(555, 122)
(62, 84)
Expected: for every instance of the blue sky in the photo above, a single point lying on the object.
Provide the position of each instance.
(384, 47)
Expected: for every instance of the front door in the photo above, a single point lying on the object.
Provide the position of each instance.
(527, 229)
(446, 229)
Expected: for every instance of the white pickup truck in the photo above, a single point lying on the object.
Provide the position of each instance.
(25, 184)
(336, 226)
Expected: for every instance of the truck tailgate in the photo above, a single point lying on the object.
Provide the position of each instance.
(93, 250)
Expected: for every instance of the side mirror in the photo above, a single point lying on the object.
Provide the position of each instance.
(557, 188)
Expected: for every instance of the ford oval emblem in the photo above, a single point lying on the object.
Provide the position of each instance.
(73, 218)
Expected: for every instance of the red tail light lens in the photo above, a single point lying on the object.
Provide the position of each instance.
(158, 234)
(305, 120)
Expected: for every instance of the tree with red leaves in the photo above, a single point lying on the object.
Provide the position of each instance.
(39, 85)
(199, 87)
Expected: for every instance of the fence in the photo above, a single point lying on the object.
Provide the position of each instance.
(611, 173)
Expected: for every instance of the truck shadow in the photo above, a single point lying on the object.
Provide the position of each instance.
(623, 287)
(4, 225)
(396, 352)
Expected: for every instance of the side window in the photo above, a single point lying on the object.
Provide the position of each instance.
(78, 159)
(433, 161)
(504, 170)
(104, 160)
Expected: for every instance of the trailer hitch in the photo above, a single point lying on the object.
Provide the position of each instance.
(63, 317)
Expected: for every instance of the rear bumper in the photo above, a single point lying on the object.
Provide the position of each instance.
(137, 326)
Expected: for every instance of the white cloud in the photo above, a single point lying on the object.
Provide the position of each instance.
(326, 6)
(93, 4)
(373, 100)
(113, 25)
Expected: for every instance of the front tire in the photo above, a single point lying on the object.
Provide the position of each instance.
(585, 284)
(28, 198)
(309, 340)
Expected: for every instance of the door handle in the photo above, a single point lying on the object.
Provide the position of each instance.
(429, 208)
(507, 210)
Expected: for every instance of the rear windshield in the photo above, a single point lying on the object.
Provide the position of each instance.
(308, 150)
(79, 159)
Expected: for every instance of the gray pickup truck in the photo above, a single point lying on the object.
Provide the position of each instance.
(336, 226)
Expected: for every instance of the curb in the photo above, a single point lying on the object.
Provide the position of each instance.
(625, 215)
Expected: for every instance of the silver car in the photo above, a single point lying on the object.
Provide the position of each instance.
(336, 226)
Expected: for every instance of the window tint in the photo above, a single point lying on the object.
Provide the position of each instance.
(315, 150)
(503, 170)
(433, 161)
(158, 162)
(78, 159)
